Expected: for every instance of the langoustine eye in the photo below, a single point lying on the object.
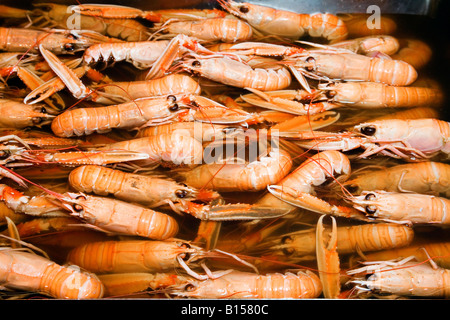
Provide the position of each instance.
(286, 240)
(181, 193)
(185, 256)
(370, 209)
(310, 60)
(77, 207)
(189, 287)
(368, 131)
(244, 9)
(174, 107)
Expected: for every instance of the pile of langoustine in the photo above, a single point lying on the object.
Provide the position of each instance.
(106, 190)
